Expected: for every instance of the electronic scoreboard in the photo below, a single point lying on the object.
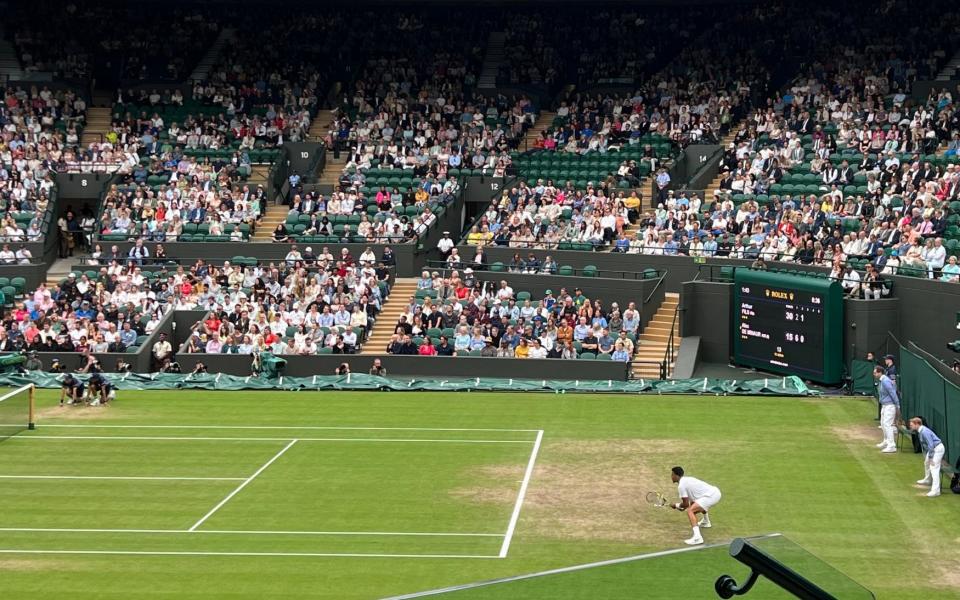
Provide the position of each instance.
(790, 324)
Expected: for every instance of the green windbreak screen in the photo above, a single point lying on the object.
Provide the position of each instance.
(862, 373)
(951, 433)
(925, 393)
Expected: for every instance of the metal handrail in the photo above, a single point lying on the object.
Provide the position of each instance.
(656, 287)
(386, 241)
(666, 367)
(713, 269)
(154, 264)
(575, 271)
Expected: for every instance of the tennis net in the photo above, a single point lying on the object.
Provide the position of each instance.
(16, 411)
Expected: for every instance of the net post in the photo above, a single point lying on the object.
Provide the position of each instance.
(31, 424)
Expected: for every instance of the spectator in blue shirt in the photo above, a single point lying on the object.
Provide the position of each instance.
(605, 344)
(619, 354)
(889, 410)
(85, 312)
(127, 335)
(710, 246)
(934, 451)
(510, 337)
(622, 244)
(582, 330)
(599, 321)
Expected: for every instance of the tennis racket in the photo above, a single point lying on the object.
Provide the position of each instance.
(656, 499)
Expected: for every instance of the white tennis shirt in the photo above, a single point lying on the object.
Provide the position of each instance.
(693, 488)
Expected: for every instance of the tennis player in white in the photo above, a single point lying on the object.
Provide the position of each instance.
(696, 497)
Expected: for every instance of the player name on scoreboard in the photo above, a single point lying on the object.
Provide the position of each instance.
(786, 323)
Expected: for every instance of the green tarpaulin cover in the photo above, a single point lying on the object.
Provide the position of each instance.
(774, 386)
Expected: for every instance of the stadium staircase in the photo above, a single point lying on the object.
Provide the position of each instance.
(97, 125)
(652, 343)
(544, 121)
(492, 60)
(59, 270)
(949, 70)
(333, 166)
(320, 126)
(275, 215)
(259, 174)
(401, 294)
(715, 184)
(10, 68)
(210, 59)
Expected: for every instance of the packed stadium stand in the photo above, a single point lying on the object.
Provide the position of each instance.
(824, 153)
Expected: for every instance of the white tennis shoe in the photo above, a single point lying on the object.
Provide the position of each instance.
(932, 494)
(694, 541)
(704, 522)
(889, 450)
(924, 482)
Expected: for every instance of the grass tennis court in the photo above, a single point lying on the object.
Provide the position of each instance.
(369, 495)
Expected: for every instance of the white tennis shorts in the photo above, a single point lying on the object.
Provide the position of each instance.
(708, 502)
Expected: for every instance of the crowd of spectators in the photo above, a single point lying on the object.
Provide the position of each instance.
(350, 216)
(874, 197)
(35, 134)
(544, 215)
(108, 310)
(303, 305)
(459, 315)
(414, 107)
(202, 201)
(447, 135)
(185, 157)
(695, 98)
(255, 98)
(110, 41)
(590, 45)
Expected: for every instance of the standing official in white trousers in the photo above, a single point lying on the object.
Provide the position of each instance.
(933, 455)
(889, 410)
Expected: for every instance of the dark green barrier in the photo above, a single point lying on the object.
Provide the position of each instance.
(778, 386)
(952, 404)
(926, 393)
(862, 374)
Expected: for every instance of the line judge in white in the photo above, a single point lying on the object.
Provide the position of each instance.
(696, 497)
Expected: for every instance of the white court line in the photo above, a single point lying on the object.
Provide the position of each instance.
(344, 533)
(523, 492)
(281, 427)
(243, 485)
(256, 532)
(602, 563)
(258, 554)
(259, 439)
(114, 478)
